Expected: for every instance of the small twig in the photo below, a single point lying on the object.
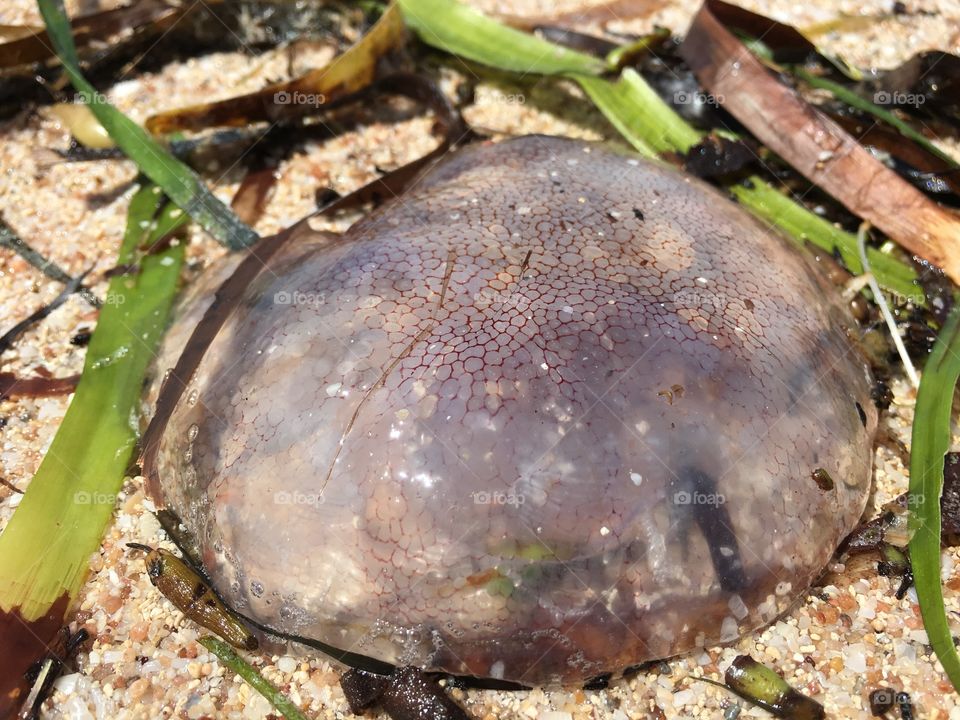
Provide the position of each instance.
(884, 307)
(10, 240)
(13, 386)
(10, 337)
(182, 149)
(6, 483)
(241, 667)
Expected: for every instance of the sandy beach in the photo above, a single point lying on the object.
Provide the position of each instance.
(848, 636)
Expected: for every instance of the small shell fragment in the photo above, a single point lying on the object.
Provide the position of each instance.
(83, 125)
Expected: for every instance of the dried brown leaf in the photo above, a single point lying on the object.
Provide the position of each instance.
(347, 73)
(814, 144)
(254, 193)
(33, 45)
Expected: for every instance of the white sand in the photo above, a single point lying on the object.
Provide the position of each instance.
(837, 645)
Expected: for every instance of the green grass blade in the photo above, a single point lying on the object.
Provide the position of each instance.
(610, 100)
(800, 224)
(463, 31)
(177, 180)
(241, 667)
(633, 108)
(45, 548)
(930, 441)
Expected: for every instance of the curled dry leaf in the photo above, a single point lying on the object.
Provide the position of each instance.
(348, 73)
(33, 45)
(933, 76)
(814, 144)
